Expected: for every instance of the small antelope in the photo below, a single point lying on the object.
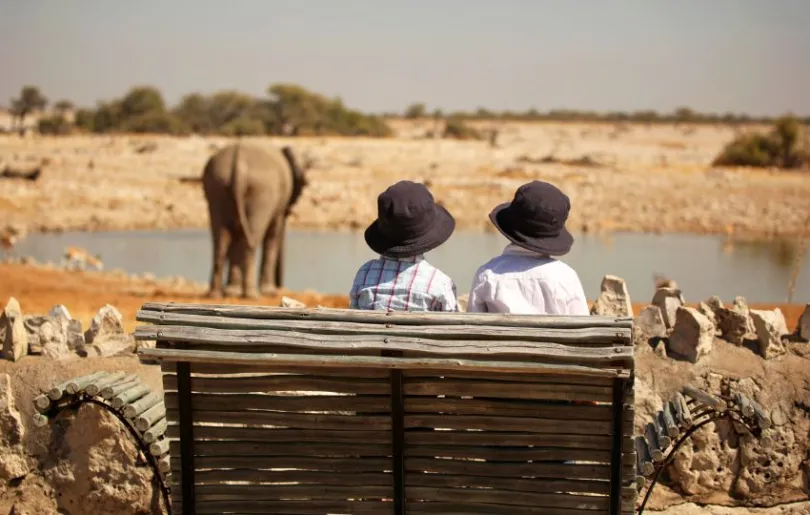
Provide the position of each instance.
(9, 236)
(80, 258)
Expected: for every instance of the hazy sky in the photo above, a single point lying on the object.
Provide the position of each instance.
(712, 55)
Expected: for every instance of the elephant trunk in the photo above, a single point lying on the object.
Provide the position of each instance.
(298, 175)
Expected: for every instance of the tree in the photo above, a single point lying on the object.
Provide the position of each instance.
(63, 106)
(142, 100)
(414, 111)
(195, 111)
(30, 100)
(297, 108)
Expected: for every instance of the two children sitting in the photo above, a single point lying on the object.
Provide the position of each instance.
(525, 279)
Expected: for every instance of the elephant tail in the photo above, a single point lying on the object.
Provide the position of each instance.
(239, 186)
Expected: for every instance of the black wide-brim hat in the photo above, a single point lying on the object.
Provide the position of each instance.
(409, 222)
(535, 219)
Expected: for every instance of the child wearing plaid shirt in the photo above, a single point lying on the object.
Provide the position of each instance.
(409, 224)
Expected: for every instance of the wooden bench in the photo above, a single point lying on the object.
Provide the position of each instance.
(291, 411)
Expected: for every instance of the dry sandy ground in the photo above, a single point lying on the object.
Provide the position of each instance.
(40, 288)
(651, 179)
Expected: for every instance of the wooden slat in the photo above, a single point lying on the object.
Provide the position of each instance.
(503, 454)
(503, 438)
(473, 496)
(266, 434)
(512, 483)
(513, 408)
(297, 341)
(202, 369)
(291, 492)
(264, 402)
(290, 420)
(495, 389)
(375, 317)
(167, 323)
(445, 364)
(280, 384)
(510, 378)
(490, 469)
(238, 507)
(521, 424)
(338, 465)
(308, 449)
(293, 476)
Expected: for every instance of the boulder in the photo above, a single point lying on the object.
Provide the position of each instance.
(707, 311)
(669, 300)
(732, 324)
(107, 324)
(614, 299)
(13, 462)
(12, 331)
(692, 336)
(53, 339)
(803, 327)
(741, 306)
(714, 303)
(649, 326)
(113, 346)
(287, 302)
(770, 326)
(72, 328)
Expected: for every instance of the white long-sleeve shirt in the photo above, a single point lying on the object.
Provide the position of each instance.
(523, 282)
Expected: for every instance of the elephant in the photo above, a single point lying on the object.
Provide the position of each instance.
(250, 192)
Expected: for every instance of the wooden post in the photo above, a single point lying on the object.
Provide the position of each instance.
(185, 422)
(397, 435)
(619, 386)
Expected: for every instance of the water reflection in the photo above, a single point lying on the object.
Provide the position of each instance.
(701, 265)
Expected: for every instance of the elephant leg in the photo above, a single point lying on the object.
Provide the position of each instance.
(247, 263)
(222, 241)
(272, 257)
(234, 283)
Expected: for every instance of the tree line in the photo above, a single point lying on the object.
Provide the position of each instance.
(288, 109)
(292, 110)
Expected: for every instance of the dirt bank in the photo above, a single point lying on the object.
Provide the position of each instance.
(619, 177)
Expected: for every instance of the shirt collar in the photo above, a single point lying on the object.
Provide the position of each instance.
(517, 250)
(412, 259)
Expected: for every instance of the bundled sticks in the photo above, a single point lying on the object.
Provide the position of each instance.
(679, 415)
(121, 393)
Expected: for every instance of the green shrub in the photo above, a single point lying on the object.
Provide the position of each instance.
(781, 148)
(55, 125)
(155, 122)
(243, 126)
(456, 128)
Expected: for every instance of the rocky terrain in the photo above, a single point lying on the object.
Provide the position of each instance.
(620, 178)
(85, 464)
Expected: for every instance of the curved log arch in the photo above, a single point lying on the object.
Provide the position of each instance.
(73, 401)
(736, 410)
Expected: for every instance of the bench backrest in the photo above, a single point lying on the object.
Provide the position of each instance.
(334, 411)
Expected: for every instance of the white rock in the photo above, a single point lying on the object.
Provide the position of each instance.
(648, 326)
(692, 336)
(13, 462)
(107, 324)
(60, 311)
(463, 300)
(13, 335)
(613, 299)
(669, 300)
(287, 302)
(770, 326)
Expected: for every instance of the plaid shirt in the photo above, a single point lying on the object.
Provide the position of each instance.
(409, 284)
